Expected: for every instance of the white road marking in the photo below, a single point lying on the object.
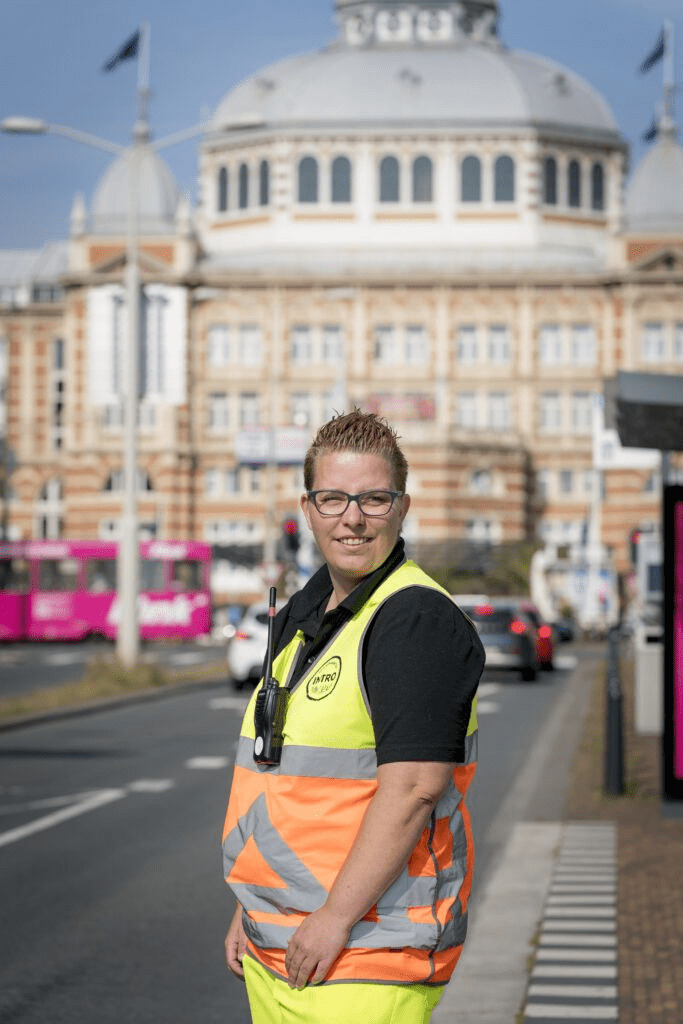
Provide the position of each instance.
(565, 661)
(488, 689)
(63, 658)
(37, 805)
(585, 939)
(576, 955)
(562, 1012)
(574, 971)
(207, 763)
(487, 707)
(88, 802)
(150, 785)
(573, 991)
(187, 658)
(584, 900)
(229, 703)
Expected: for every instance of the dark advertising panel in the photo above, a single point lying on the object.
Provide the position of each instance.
(673, 643)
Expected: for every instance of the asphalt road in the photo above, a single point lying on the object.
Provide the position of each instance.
(114, 908)
(30, 666)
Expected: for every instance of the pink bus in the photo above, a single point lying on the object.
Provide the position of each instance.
(66, 590)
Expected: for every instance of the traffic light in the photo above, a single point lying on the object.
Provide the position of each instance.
(634, 540)
(290, 531)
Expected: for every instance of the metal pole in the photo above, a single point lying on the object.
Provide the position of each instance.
(614, 730)
(128, 640)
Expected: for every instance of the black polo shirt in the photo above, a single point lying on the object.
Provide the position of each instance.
(422, 660)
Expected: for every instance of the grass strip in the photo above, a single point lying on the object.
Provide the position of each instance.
(105, 678)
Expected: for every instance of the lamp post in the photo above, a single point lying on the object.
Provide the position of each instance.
(128, 639)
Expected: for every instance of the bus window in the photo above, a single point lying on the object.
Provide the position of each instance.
(187, 575)
(58, 574)
(101, 575)
(14, 574)
(151, 574)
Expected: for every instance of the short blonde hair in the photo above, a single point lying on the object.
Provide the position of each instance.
(357, 431)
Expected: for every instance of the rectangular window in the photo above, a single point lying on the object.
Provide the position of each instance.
(302, 409)
(543, 483)
(250, 413)
(550, 412)
(566, 481)
(219, 345)
(588, 479)
(250, 345)
(218, 411)
(302, 345)
(550, 345)
(101, 575)
(212, 483)
(333, 345)
(386, 345)
(467, 410)
(583, 345)
(151, 574)
(468, 344)
(498, 410)
(499, 344)
(416, 345)
(187, 575)
(653, 343)
(678, 343)
(58, 574)
(582, 412)
(232, 481)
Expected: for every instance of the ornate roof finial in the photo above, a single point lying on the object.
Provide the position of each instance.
(416, 22)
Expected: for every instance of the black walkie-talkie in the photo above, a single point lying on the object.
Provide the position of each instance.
(271, 704)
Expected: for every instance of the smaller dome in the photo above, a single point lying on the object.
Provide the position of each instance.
(654, 198)
(158, 196)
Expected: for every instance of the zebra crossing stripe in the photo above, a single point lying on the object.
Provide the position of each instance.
(575, 974)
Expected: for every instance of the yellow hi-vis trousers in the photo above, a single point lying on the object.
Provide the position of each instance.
(272, 1001)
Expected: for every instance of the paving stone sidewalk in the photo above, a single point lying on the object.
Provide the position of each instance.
(649, 862)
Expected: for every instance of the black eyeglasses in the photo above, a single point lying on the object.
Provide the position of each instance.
(371, 503)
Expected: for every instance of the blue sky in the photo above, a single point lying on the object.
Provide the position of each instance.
(51, 52)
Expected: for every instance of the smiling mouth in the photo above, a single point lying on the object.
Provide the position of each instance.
(353, 542)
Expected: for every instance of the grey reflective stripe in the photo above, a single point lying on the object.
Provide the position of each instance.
(388, 932)
(312, 762)
(471, 747)
(302, 890)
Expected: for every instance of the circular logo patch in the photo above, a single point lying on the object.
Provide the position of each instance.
(325, 679)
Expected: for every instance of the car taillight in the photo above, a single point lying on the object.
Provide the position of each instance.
(545, 632)
(484, 609)
(518, 627)
(240, 635)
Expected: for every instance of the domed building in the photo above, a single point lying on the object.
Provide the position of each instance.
(415, 219)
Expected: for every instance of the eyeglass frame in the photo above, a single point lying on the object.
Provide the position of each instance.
(311, 495)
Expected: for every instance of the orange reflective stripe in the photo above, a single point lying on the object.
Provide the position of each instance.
(400, 967)
(430, 847)
(247, 786)
(425, 915)
(251, 868)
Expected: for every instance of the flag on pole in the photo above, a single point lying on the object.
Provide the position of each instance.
(655, 56)
(128, 51)
(651, 134)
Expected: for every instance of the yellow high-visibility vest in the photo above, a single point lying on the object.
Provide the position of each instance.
(290, 826)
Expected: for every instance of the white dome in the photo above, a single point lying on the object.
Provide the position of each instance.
(158, 196)
(654, 198)
(458, 86)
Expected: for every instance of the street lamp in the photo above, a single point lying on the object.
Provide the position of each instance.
(128, 639)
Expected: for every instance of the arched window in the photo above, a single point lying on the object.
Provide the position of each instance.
(222, 189)
(264, 183)
(389, 180)
(597, 187)
(243, 187)
(470, 180)
(114, 481)
(550, 181)
(574, 182)
(504, 180)
(308, 180)
(341, 180)
(422, 180)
